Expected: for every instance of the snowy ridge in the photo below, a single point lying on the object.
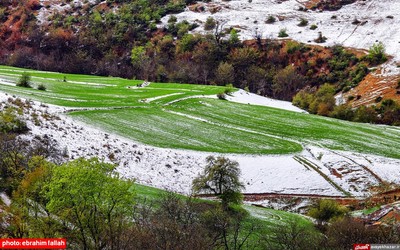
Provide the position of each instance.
(378, 21)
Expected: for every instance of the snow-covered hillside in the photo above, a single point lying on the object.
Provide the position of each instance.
(357, 25)
(313, 171)
(244, 97)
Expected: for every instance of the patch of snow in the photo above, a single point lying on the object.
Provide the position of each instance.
(5, 199)
(242, 96)
(5, 82)
(161, 96)
(91, 83)
(190, 97)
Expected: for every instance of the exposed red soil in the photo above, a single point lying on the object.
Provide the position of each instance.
(327, 4)
(251, 197)
(311, 3)
(375, 87)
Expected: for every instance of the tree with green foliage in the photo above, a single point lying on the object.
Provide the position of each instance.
(221, 177)
(286, 82)
(342, 233)
(88, 195)
(141, 62)
(294, 235)
(24, 80)
(327, 210)
(225, 73)
(233, 37)
(376, 54)
(10, 122)
(27, 215)
(324, 100)
(233, 228)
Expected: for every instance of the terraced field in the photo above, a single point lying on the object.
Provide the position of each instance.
(184, 116)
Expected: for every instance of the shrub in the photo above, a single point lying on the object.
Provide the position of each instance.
(398, 84)
(229, 89)
(355, 21)
(41, 87)
(327, 210)
(172, 19)
(346, 89)
(10, 122)
(270, 19)
(293, 46)
(210, 24)
(283, 33)
(24, 80)
(378, 99)
(303, 22)
(221, 96)
(313, 27)
(321, 38)
(376, 54)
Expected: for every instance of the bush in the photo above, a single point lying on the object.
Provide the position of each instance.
(378, 99)
(209, 24)
(355, 21)
(10, 122)
(321, 38)
(327, 210)
(221, 96)
(172, 19)
(270, 19)
(376, 54)
(303, 22)
(283, 33)
(41, 87)
(229, 89)
(313, 27)
(24, 80)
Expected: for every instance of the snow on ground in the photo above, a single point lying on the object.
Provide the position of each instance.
(162, 96)
(281, 174)
(174, 169)
(242, 96)
(378, 22)
(6, 200)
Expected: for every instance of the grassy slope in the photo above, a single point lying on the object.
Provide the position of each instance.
(199, 124)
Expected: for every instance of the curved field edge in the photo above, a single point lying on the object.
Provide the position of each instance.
(225, 127)
(156, 127)
(297, 127)
(173, 116)
(84, 91)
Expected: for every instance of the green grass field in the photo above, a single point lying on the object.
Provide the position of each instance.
(177, 116)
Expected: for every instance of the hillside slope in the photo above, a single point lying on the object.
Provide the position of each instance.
(357, 25)
(287, 152)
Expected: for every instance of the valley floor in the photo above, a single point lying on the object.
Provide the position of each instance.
(315, 170)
